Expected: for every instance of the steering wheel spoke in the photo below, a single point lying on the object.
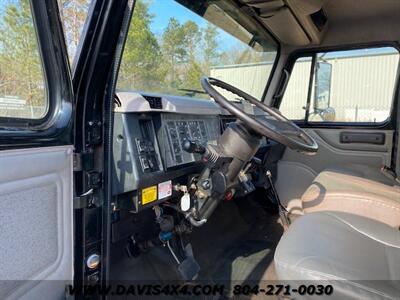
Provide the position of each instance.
(275, 126)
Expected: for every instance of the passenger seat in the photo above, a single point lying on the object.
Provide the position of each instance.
(355, 189)
(358, 256)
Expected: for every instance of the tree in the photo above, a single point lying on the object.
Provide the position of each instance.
(174, 50)
(192, 38)
(140, 67)
(193, 76)
(211, 54)
(180, 44)
(73, 15)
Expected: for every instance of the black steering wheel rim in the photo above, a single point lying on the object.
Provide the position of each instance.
(303, 143)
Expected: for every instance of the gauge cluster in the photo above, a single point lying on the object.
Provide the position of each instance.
(176, 128)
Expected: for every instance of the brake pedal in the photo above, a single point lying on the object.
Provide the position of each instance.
(188, 268)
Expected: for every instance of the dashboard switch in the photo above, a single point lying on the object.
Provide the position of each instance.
(145, 163)
(141, 145)
(151, 164)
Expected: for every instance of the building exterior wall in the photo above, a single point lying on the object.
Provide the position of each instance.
(237, 75)
(361, 87)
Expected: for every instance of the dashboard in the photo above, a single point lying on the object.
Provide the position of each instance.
(147, 144)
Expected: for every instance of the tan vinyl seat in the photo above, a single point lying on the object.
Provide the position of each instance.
(344, 190)
(358, 256)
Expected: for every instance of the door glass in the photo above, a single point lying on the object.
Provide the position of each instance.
(348, 86)
(22, 86)
(354, 85)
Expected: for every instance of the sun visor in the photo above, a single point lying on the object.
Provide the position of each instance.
(305, 7)
(285, 26)
(266, 8)
(293, 22)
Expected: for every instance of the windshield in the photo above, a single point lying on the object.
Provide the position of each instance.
(172, 44)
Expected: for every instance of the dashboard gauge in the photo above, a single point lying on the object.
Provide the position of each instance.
(196, 128)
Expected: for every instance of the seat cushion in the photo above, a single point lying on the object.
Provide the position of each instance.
(358, 256)
(338, 191)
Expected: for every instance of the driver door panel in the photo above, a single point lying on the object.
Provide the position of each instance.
(333, 152)
(36, 222)
(36, 155)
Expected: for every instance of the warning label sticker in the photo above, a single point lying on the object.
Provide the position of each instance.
(149, 194)
(164, 189)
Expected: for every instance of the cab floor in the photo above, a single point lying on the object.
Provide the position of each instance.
(235, 246)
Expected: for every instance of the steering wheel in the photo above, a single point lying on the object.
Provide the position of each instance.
(277, 127)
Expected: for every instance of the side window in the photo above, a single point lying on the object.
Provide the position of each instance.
(347, 86)
(22, 84)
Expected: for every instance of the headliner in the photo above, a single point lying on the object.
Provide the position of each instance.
(362, 21)
(356, 22)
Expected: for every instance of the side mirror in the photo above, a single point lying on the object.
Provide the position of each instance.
(328, 114)
(323, 75)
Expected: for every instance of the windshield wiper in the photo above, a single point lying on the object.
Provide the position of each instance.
(191, 92)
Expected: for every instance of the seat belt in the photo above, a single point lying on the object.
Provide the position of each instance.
(394, 171)
(396, 153)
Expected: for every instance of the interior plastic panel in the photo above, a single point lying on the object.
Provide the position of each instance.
(36, 236)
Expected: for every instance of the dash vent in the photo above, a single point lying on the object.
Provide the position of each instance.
(155, 102)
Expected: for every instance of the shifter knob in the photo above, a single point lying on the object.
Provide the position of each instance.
(193, 147)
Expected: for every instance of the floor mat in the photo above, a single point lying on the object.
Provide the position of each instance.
(157, 264)
(246, 261)
(244, 237)
(235, 246)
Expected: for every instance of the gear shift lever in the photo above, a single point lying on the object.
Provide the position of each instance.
(193, 147)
